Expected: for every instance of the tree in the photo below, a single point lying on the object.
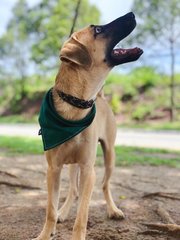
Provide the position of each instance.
(75, 17)
(52, 21)
(32, 39)
(159, 30)
(14, 45)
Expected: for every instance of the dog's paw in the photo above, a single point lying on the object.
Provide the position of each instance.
(116, 214)
(51, 238)
(62, 214)
(45, 238)
(40, 238)
(60, 219)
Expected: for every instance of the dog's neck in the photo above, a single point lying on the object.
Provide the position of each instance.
(77, 83)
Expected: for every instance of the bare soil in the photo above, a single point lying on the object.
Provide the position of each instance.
(23, 202)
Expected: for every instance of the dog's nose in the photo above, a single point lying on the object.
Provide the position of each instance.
(131, 15)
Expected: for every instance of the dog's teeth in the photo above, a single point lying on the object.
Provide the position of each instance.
(122, 51)
(119, 51)
(116, 52)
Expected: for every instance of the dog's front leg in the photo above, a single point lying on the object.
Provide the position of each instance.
(87, 180)
(72, 194)
(53, 182)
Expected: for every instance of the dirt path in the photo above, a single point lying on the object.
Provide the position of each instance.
(23, 201)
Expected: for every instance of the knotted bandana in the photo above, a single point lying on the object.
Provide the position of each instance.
(55, 129)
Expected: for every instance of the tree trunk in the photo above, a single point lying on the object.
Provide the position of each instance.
(75, 17)
(172, 82)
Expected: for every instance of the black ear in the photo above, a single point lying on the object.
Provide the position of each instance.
(76, 52)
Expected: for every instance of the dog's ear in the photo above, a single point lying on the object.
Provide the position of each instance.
(75, 52)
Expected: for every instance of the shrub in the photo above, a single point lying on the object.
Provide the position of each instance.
(115, 103)
(141, 112)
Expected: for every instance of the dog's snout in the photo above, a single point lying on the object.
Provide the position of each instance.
(131, 15)
(130, 18)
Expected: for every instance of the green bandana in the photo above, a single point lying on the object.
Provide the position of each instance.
(56, 130)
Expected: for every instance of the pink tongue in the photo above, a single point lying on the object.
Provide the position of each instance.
(121, 51)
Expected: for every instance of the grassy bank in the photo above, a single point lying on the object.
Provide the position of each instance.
(145, 156)
(21, 145)
(19, 119)
(153, 126)
(134, 125)
(124, 155)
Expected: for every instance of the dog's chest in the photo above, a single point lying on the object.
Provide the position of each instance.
(74, 150)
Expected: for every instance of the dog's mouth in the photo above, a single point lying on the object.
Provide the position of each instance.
(117, 31)
(122, 55)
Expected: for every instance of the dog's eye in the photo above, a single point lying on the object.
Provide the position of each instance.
(98, 30)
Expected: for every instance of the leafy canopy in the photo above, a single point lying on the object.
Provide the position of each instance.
(158, 20)
(52, 21)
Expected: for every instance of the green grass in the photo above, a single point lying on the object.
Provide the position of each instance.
(143, 125)
(21, 145)
(133, 125)
(153, 126)
(125, 156)
(19, 119)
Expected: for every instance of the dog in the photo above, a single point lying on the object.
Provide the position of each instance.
(86, 59)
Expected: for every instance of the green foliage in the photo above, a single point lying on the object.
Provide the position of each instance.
(14, 43)
(141, 112)
(31, 42)
(143, 93)
(177, 77)
(139, 79)
(14, 49)
(115, 103)
(159, 20)
(121, 83)
(52, 22)
(158, 30)
(38, 32)
(144, 76)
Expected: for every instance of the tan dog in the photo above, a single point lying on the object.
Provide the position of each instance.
(87, 57)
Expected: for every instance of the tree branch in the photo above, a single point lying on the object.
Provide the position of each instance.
(17, 185)
(161, 194)
(75, 17)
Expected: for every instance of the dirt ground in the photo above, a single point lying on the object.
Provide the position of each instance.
(23, 201)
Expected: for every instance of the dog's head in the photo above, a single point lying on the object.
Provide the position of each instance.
(95, 46)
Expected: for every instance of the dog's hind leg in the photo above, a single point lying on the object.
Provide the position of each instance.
(53, 182)
(109, 158)
(72, 194)
(87, 180)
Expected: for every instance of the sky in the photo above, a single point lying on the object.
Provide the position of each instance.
(108, 8)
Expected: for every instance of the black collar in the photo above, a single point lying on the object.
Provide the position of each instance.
(76, 102)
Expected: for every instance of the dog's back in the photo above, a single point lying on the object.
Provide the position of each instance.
(105, 120)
